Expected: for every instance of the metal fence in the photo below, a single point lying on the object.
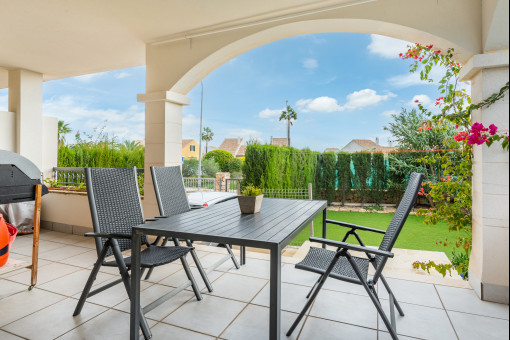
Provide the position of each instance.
(73, 176)
(206, 184)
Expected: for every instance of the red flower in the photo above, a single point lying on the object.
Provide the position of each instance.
(429, 127)
(416, 101)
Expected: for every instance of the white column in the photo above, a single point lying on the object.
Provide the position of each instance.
(25, 100)
(163, 137)
(489, 265)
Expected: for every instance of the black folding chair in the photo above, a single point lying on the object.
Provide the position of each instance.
(341, 265)
(116, 207)
(172, 200)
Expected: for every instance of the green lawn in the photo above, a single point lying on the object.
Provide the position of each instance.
(414, 235)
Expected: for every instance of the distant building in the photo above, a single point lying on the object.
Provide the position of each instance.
(189, 149)
(235, 146)
(332, 150)
(358, 145)
(278, 141)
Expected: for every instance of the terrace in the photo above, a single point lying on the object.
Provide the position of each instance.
(180, 44)
(436, 308)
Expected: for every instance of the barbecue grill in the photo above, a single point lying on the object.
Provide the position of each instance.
(20, 181)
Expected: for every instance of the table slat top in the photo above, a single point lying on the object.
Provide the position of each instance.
(277, 223)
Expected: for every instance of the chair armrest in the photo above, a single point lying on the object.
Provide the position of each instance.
(125, 236)
(151, 219)
(354, 226)
(158, 217)
(349, 246)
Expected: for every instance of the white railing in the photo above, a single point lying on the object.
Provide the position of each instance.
(191, 184)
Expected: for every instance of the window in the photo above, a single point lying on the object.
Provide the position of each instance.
(192, 148)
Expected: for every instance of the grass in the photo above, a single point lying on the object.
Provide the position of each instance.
(414, 235)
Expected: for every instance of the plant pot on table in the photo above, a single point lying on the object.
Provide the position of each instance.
(250, 204)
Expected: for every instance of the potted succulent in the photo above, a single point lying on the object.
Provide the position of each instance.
(250, 200)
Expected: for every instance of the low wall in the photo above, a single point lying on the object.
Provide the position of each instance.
(67, 212)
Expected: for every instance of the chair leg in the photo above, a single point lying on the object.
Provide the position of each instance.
(322, 280)
(234, 259)
(91, 279)
(189, 274)
(314, 285)
(390, 293)
(375, 300)
(199, 267)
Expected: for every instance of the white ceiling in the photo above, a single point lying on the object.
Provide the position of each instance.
(63, 38)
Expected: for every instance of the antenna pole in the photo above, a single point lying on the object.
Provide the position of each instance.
(200, 138)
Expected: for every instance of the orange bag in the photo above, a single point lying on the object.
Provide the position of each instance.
(7, 236)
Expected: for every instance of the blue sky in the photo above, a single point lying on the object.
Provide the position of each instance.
(343, 86)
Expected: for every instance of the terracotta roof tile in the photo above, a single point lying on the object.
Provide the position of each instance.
(331, 150)
(231, 145)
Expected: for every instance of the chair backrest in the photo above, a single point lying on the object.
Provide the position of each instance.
(399, 219)
(115, 203)
(170, 191)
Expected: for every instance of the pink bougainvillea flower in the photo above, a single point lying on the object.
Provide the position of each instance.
(429, 127)
(493, 129)
(416, 101)
(457, 127)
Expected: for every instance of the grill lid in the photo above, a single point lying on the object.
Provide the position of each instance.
(18, 177)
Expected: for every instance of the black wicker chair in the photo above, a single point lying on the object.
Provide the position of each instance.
(116, 207)
(172, 200)
(341, 265)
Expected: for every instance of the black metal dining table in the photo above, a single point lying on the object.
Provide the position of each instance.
(274, 227)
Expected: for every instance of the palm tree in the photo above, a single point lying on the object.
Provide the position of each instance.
(130, 145)
(63, 128)
(289, 115)
(207, 136)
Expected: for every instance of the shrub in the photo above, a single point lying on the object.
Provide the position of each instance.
(221, 157)
(343, 166)
(234, 165)
(209, 167)
(190, 167)
(362, 172)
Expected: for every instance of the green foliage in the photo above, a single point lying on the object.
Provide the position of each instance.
(100, 151)
(267, 166)
(190, 167)
(221, 157)
(207, 136)
(344, 174)
(251, 190)
(209, 167)
(62, 129)
(329, 176)
(378, 178)
(235, 165)
(141, 183)
(290, 116)
(362, 172)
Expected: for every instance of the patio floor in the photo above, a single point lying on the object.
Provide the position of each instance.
(237, 309)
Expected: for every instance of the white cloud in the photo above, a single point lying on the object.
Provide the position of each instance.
(366, 97)
(268, 113)
(355, 100)
(89, 78)
(422, 99)
(310, 63)
(389, 113)
(386, 47)
(128, 124)
(320, 104)
(121, 75)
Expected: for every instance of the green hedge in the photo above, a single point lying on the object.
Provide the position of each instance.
(221, 157)
(361, 177)
(101, 155)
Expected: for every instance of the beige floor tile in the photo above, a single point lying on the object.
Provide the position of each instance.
(8, 336)
(112, 296)
(475, 327)
(61, 253)
(293, 297)
(211, 315)
(8, 288)
(162, 331)
(46, 273)
(253, 324)
(87, 243)
(74, 283)
(162, 272)
(111, 325)
(85, 259)
(348, 308)
(255, 268)
(53, 320)
(154, 292)
(326, 329)
(25, 303)
(179, 278)
(238, 287)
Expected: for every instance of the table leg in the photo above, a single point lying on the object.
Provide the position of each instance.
(324, 225)
(275, 294)
(135, 285)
